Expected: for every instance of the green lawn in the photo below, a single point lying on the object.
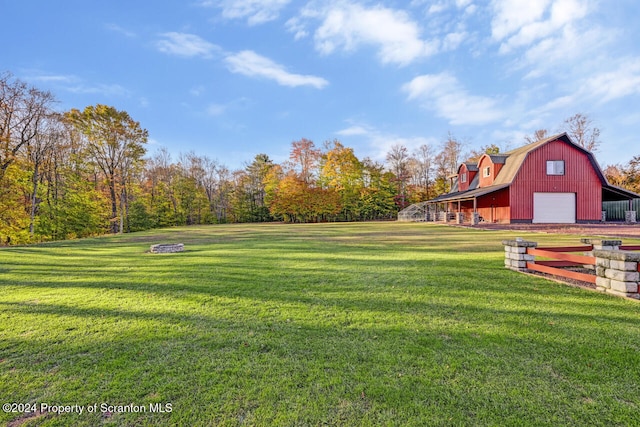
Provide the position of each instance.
(326, 324)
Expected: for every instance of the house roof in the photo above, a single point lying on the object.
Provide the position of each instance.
(468, 195)
(515, 158)
(498, 158)
(471, 166)
(611, 193)
(512, 162)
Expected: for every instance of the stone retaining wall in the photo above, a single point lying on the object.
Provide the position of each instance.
(616, 271)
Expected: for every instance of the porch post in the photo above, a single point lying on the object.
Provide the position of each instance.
(475, 217)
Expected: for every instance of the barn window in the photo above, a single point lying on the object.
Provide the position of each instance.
(555, 167)
(486, 171)
(463, 177)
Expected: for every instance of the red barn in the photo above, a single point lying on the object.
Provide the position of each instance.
(549, 181)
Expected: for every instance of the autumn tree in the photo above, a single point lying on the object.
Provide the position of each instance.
(451, 152)
(14, 220)
(160, 173)
(579, 127)
(114, 142)
(342, 172)
(70, 204)
(614, 175)
(254, 187)
(631, 172)
(304, 157)
(446, 163)
(582, 131)
(23, 109)
(422, 169)
(538, 135)
(398, 164)
(222, 195)
(39, 152)
(271, 184)
(475, 155)
(378, 196)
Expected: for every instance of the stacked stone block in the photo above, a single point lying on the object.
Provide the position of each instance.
(475, 218)
(617, 272)
(630, 217)
(515, 254)
(601, 245)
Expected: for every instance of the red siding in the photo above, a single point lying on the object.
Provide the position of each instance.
(485, 161)
(485, 181)
(496, 169)
(472, 175)
(493, 207)
(463, 186)
(579, 178)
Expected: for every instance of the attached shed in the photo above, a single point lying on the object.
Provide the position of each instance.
(549, 181)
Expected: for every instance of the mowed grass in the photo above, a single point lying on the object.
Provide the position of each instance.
(327, 324)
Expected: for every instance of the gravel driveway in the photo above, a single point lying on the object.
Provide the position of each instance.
(611, 230)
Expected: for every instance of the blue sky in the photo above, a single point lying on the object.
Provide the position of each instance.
(234, 78)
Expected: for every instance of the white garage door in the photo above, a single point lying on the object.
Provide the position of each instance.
(554, 208)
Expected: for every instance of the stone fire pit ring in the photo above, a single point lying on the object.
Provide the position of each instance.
(167, 248)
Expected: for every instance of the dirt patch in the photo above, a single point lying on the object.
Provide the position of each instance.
(565, 280)
(27, 418)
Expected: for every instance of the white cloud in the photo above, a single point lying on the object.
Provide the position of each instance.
(255, 11)
(569, 49)
(437, 7)
(197, 90)
(297, 27)
(118, 29)
(512, 15)
(443, 94)
(353, 131)
(471, 9)
(620, 81)
(187, 45)
(110, 90)
(216, 109)
(453, 40)
(75, 84)
(348, 26)
(380, 142)
(520, 23)
(251, 64)
(443, 5)
(52, 78)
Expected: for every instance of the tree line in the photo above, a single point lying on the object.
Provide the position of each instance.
(87, 172)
